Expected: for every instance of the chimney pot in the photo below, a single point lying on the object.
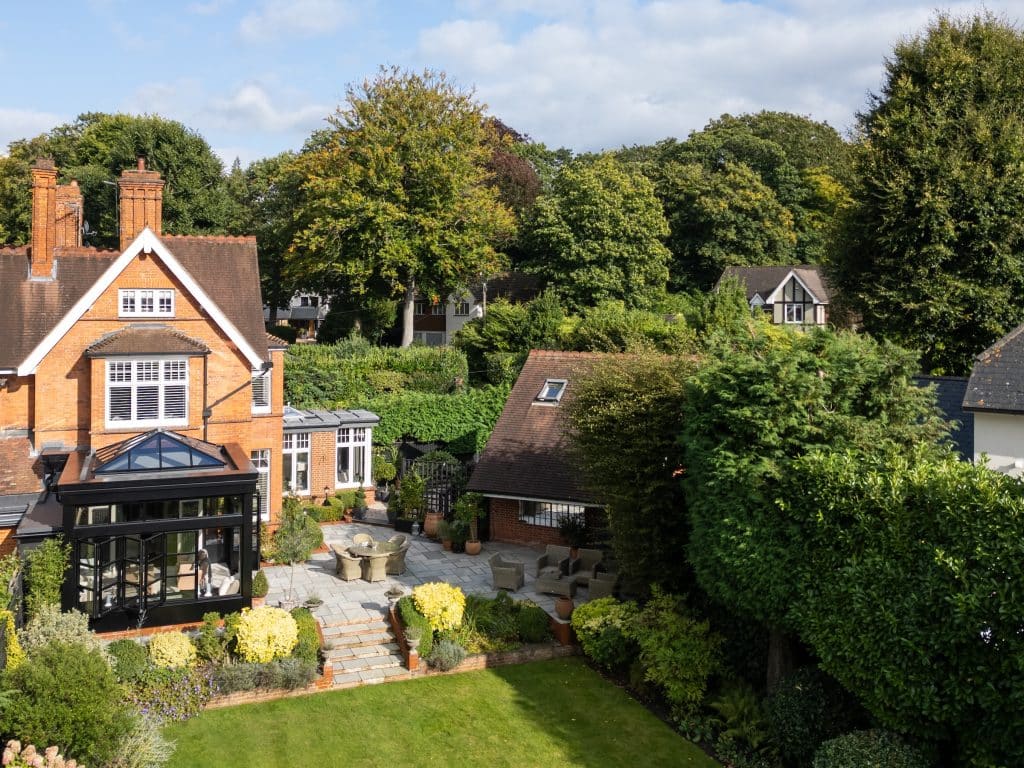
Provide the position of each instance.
(141, 163)
(44, 217)
(141, 201)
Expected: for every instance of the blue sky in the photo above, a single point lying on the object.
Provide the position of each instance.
(255, 77)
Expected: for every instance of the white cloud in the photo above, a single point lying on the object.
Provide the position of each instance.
(210, 8)
(24, 124)
(250, 108)
(278, 19)
(622, 73)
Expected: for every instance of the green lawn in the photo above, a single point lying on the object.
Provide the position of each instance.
(551, 713)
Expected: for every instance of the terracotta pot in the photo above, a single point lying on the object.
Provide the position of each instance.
(430, 521)
(446, 544)
(473, 547)
(259, 601)
(564, 607)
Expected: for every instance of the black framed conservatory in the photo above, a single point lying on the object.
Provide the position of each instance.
(163, 528)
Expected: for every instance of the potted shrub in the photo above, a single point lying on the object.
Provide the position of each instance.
(573, 529)
(469, 509)
(460, 532)
(359, 504)
(411, 495)
(444, 533)
(294, 541)
(384, 470)
(260, 587)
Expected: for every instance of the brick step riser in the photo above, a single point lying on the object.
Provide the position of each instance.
(366, 665)
(363, 653)
(382, 640)
(355, 632)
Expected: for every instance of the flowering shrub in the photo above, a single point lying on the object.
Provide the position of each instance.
(12, 653)
(50, 625)
(171, 694)
(172, 650)
(16, 757)
(441, 604)
(601, 626)
(265, 634)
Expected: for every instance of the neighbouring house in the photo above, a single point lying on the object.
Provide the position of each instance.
(526, 471)
(791, 295)
(434, 323)
(327, 451)
(949, 396)
(140, 407)
(995, 396)
(305, 313)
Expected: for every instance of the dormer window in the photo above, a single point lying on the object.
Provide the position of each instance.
(552, 391)
(139, 302)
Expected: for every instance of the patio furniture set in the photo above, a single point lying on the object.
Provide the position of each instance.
(558, 572)
(369, 559)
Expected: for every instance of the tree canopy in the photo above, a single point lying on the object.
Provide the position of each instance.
(397, 191)
(598, 235)
(935, 253)
(96, 148)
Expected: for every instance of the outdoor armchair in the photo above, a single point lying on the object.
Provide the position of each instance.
(395, 563)
(553, 575)
(346, 566)
(554, 557)
(585, 563)
(399, 540)
(362, 538)
(602, 584)
(507, 573)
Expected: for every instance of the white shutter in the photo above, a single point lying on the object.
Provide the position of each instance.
(175, 399)
(120, 408)
(261, 391)
(147, 403)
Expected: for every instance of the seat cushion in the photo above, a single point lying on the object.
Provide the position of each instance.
(551, 572)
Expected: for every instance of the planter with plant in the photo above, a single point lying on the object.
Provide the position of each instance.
(444, 533)
(385, 470)
(294, 541)
(359, 506)
(573, 529)
(469, 509)
(260, 587)
(460, 532)
(411, 498)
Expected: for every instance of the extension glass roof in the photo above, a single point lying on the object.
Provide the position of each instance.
(158, 451)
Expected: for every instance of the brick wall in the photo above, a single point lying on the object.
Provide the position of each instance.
(506, 525)
(17, 403)
(7, 542)
(20, 472)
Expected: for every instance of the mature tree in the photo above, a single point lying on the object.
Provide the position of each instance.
(97, 147)
(397, 192)
(913, 590)
(15, 201)
(721, 217)
(267, 196)
(753, 410)
(598, 235)
(935, 258)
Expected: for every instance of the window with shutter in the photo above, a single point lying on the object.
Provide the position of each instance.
(149, 392)
(260, 392)
(261, 460)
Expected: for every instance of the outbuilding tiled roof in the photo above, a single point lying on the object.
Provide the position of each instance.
(764, 280)
(146, 339)
(949, 396)
(997, 378)
(527, 455)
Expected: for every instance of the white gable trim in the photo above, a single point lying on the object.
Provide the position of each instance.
(146, 242)
(776, 295)
(756, 301)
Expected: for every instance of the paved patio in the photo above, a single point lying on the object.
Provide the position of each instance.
(350, 601)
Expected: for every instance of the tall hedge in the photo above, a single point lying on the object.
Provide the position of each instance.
(341, 374)
(463, 421)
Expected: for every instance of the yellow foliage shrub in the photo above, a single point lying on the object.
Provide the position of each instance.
(12, 648)
(265, 634)
(172, 649)
(441, 604)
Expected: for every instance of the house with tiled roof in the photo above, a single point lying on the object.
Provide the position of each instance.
(141, 407)
(790, 295)
(434, 323)
(995, 397)
(526, 471)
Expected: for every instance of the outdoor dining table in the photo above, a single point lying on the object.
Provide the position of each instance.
(374, 558)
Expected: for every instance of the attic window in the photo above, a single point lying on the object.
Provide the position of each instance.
(552, 391)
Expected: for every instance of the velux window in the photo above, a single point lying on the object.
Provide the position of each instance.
(552, 391)
(138, 302)
(149, 392)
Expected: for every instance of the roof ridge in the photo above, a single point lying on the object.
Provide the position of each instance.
(1000, 342)
(218, 238)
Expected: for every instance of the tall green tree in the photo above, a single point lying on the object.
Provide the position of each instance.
(598, 235)
(935, 254)
(397, 193)
(97, 147)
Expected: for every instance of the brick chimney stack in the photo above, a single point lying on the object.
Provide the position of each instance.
(142, 198)
(69, 215)
(44, 217)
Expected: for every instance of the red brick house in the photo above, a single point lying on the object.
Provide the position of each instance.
(140, 406)
(526, 471)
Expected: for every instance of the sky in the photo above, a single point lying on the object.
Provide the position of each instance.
(256, 77)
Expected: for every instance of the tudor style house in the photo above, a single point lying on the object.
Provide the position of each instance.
(525, 471)
(791, 295)
(140, 407)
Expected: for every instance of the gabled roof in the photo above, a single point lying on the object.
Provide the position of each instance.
(146, 339)
(527, 455)
(220, 272)
(949, 396)
(766, 280)
(997, 378)
(514, 286)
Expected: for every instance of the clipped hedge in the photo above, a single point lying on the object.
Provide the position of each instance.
(413, 618)
(462, 421)
(308, 647)
(342, 374)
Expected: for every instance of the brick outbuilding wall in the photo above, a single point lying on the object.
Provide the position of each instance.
(506, 525)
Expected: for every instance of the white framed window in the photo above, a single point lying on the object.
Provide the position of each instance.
(462, 309)
(145, 302)
(429, 338)
(261, 391)
(352, 451)
(552, 391)
(295, 468)
(547, 513)
(147, 392)
(794, 313)
(261, 460)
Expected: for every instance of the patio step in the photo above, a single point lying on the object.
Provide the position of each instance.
(363, 652)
